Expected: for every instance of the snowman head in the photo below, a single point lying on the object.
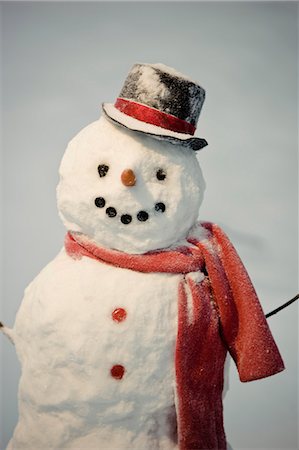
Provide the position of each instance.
(128, 191)
(131, 181)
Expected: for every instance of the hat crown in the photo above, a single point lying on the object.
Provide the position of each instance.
(163, 88)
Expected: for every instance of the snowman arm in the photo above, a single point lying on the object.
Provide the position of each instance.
(8, 332)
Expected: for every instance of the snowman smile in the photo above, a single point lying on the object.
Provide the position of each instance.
(142, 215)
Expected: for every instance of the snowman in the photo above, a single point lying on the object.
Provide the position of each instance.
(123, 337)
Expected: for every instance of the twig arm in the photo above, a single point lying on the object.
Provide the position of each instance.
(283, 306)
(8, 332)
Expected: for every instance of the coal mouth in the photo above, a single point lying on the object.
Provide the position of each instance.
(126, 219)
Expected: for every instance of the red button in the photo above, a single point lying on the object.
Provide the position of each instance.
(119, 314)
(117, 372)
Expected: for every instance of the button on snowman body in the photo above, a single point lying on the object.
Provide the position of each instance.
(119, 336)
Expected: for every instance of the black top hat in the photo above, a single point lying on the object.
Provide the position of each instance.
(160, 102)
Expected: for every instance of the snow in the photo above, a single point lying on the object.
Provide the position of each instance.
(67, 342)
(169, 70)
(197, 277)
(149, 81)
(104, 143)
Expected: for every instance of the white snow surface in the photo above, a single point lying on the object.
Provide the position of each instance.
(170, 70)
(105, 143)
(149, 81)
(67, 343)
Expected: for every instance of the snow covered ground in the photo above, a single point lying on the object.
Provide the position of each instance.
(61, 60)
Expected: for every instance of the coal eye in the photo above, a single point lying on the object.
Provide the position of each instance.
(103, 169)
(161, 174)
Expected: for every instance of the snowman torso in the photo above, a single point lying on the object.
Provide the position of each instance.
(83, 325)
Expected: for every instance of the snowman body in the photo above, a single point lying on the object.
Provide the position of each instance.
(97, 342)
(80, 319)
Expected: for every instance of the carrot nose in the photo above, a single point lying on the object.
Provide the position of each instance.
(128, 177)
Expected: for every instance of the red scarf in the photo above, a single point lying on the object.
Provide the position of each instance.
(225, 316)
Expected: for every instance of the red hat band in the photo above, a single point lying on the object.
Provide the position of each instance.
(153, 116)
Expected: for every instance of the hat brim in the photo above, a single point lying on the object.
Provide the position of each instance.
(162, 134)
